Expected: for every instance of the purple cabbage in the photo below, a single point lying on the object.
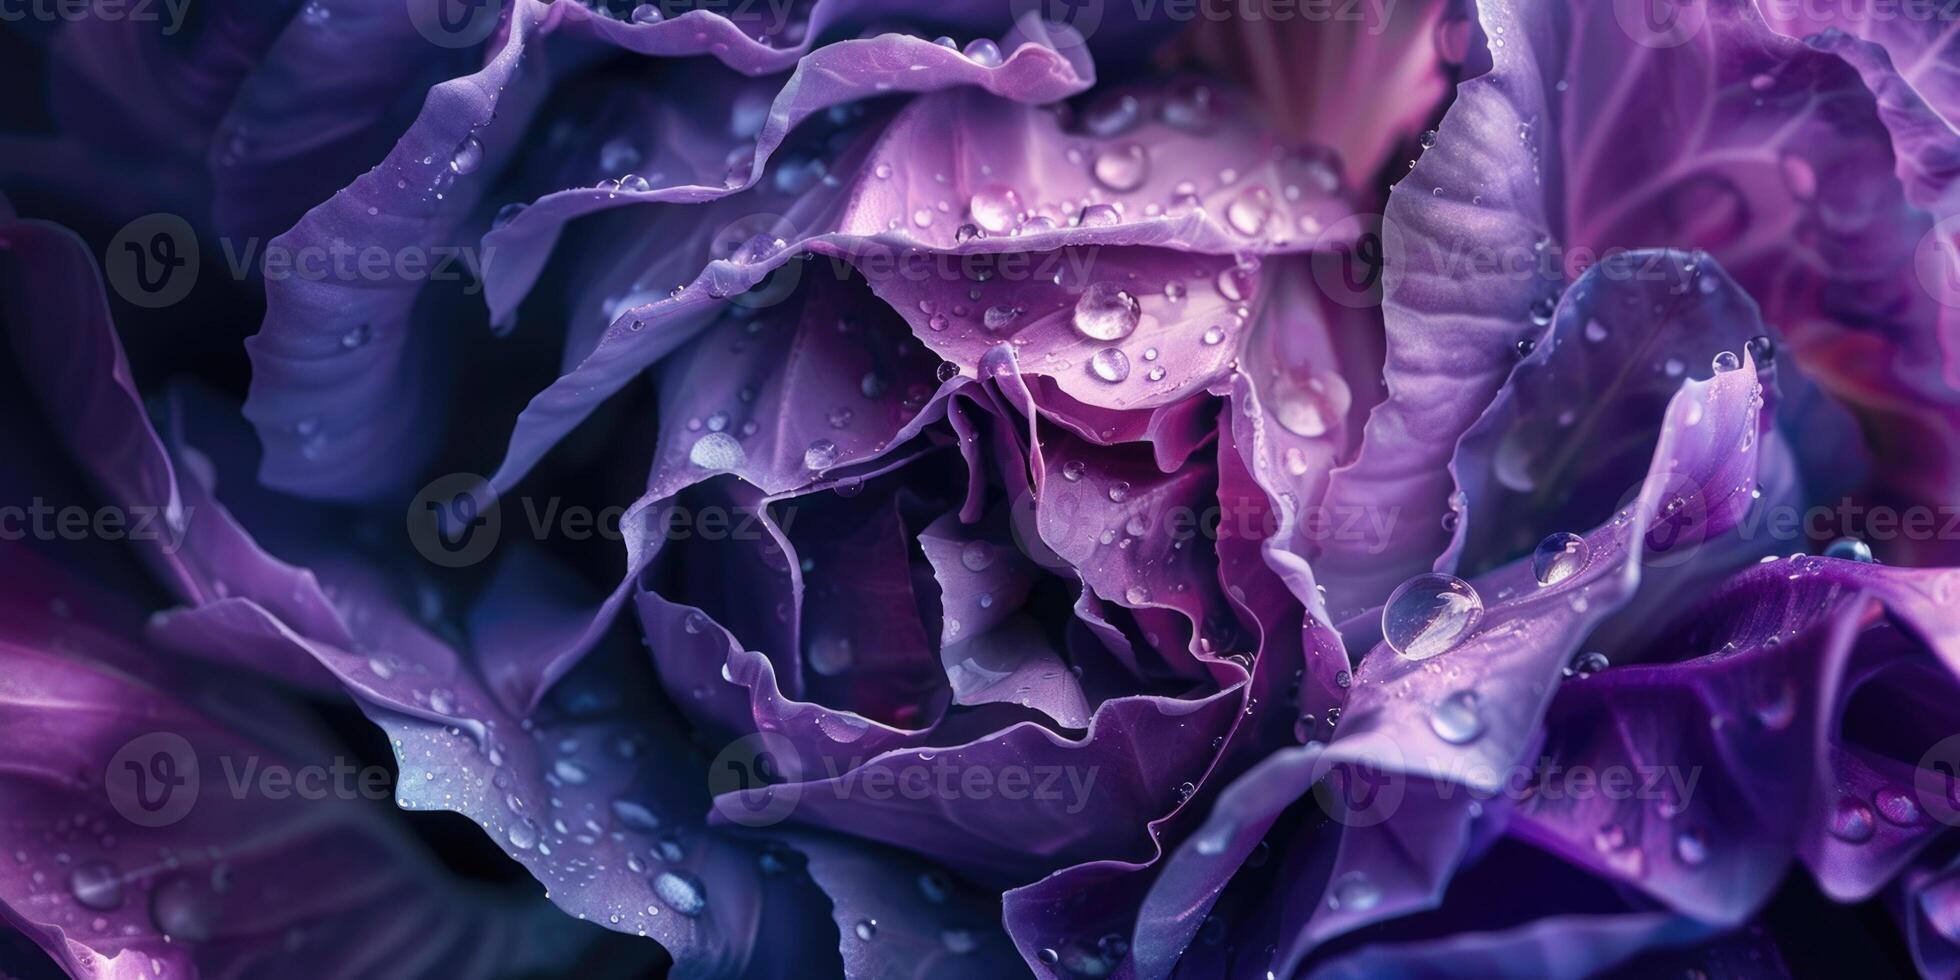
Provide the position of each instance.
(804, 489)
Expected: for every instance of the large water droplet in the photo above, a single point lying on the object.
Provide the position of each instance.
(866, 929)
(717, 451)
(995, 208)
(830, 656)
(647, 13)
(97, 885)
(468, 156)
(1312, 407)
(523, 834)
(618, 155)
(821, 455)
(184, 909)
(1691, 846)
(1726, 361)
(1897, 807)
(1559, 557)
(681, 892)
(1852, 822)
(983, 52)
(1456, 719)
(1113, 116)
(1849, 549)
(1249, 212)
(1110, 365)
(635, 815)
(976, 556)
(1122, 168)
(998, 318)
(1106, 312)
(1429, 614)
(1353, 892)
(1587, 664)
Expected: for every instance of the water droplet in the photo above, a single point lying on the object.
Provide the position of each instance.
(1106, 312)
(959, 941)
(1691, 846)
(1119, 491)
(569, 771)
(866, 929)
(983, 52)
(976, 556)
(1726, 361)
(1311, 408)
(618, 155)
(1559, 557)
(1429, 614)
(646, 13)
(1136, 595)
(1113, 116)
(1235, 283)
(1456, 720)
(1541, 310)
(1897, 807)
(998, 318)
(1852, 822)
(184, 910)
(1762, 349)
(1122, 168)
(1249, 212)
(871, 385)
(717, 451)
(357, 337)
(1849, 549)
(467, 157)
(1073, 470)
(1110, 365)
(97, 885)
(681, 892)
(1213, 336)
(523, 834)
(1353, 892)
(1587, 664)
(635, 815)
